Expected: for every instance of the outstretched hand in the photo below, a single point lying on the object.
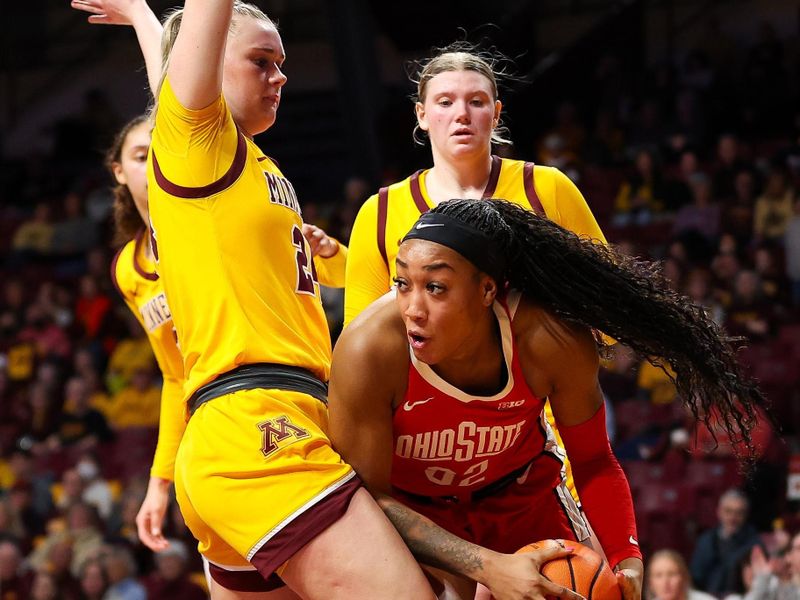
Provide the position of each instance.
(108, 12)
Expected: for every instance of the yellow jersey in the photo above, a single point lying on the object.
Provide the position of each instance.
(134, 275)
(387, 216)
(226, 234)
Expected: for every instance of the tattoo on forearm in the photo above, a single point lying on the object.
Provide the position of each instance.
(431, 544)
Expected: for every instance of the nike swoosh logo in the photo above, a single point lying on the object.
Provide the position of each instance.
(633, 541)
(410, 405)
(424, 225)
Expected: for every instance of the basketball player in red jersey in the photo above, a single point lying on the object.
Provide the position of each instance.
(436, 396)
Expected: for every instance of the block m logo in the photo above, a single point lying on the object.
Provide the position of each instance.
(276, 431)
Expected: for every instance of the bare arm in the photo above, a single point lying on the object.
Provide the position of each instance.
(369, 371)
(561, 362)
(195, 64)
(145, 23)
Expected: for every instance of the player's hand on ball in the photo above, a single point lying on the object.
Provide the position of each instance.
(321, 243)
(518, 576)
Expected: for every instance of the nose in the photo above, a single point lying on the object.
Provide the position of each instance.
(462, 114)
(415, 308)
(278, 77)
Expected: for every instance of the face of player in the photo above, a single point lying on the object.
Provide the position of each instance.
(252, 77)
(131, 170)
(441, 297)
(665, 579)
(459, 113)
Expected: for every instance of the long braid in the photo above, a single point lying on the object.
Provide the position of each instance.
(590, 284)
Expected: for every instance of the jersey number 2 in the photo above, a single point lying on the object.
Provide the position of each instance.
(306, 271)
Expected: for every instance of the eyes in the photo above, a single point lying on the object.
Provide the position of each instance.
(432, 287)
(476, 101)
(264, 63)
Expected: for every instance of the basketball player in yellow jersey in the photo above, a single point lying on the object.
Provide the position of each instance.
(133, 272)
(459, 110)
(458, 107)
(256, 478)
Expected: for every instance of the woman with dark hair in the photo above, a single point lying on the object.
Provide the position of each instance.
(133, 272)
(495, 311)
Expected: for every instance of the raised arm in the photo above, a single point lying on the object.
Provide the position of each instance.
(369, 371)
(137, 14)
(195, 63)
(561, 362)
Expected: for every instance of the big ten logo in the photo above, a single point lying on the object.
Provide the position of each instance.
(276, 431)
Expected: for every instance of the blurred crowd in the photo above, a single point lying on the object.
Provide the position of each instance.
(695, 165)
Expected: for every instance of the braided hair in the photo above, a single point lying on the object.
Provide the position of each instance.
(590, 284)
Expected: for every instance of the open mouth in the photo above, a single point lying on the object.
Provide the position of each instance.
(416, 340)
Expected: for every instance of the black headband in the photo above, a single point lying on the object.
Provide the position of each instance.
(471, 243)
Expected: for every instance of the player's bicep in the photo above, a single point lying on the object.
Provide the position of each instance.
(573, 365)
(360, 414)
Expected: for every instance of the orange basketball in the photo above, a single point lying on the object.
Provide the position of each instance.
(584, 571)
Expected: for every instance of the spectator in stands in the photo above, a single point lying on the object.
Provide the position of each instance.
(171, 579)
(15, 581)
(93, 580)
(76, 233)
(131, 353)
(773, 280)
(96, 490)
(39, 418)
(750, 313)
(35, 236)
(775, 207)
(81, 534)
(69, 491)
(11, 524)
(737, 209)
(767, 582)
(121, 570)
(719, 550)
(703, 214)
(668, 578)
(12, 308)
(698, 289)
(47, 338)
(45, 587)
(137, 405)
(56, 303)
(642, 195)
(728, 165)
(91, 307)
(81, 426)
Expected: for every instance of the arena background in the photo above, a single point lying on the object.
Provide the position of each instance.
(707, 92)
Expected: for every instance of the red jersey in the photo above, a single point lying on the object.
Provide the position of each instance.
(449, 443)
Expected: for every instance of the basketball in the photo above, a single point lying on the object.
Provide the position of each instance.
(584, 572)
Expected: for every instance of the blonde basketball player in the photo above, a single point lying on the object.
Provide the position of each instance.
(256, 478)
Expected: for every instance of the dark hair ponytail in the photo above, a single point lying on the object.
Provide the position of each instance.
(588, 283)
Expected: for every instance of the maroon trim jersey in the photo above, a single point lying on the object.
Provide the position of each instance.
(449, 443)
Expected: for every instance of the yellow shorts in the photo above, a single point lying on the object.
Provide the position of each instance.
(256, 479)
